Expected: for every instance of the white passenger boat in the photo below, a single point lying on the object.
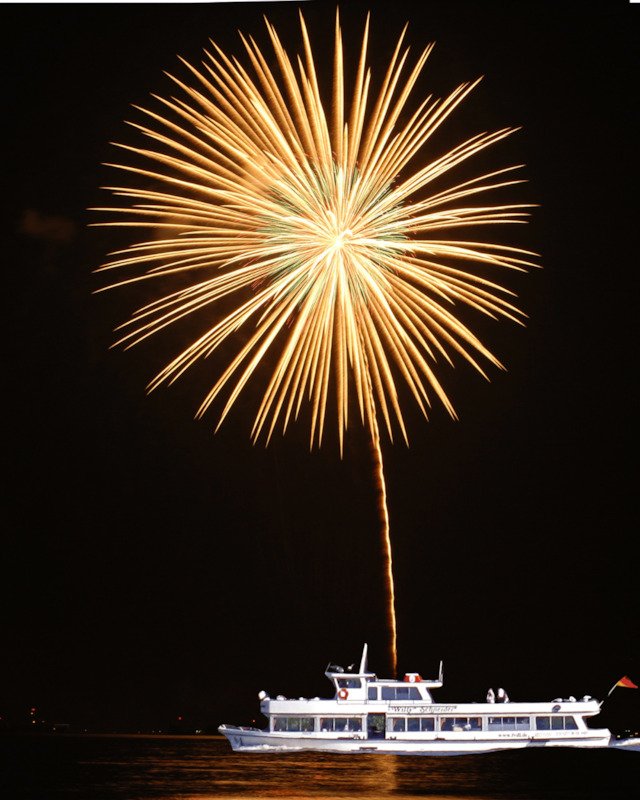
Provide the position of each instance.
(371, 715)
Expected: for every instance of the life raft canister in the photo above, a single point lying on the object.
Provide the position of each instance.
(343, 694)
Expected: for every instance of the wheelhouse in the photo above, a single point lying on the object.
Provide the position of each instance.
(364, 686)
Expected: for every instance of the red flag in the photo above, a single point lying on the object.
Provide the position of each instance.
(627, 683)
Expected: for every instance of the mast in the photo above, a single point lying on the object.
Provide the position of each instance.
(363, 660)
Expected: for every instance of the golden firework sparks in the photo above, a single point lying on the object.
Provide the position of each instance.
(325, 230)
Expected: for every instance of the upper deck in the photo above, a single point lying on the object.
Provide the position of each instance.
(366, 686)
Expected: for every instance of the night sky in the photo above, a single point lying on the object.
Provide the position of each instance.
(152, 570)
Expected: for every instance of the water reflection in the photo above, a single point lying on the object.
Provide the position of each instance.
(203, 768)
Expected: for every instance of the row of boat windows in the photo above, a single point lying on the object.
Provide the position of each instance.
(555, 723)
(395, 693)
(415, 723)
(327, 724)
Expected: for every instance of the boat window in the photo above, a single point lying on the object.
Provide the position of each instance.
(509, 723)
(373, 693)
(461, 724)
(561, 723)
(349, 683)
(340, 724)
(556, 723)
(400, 693)
(293, 724)
(516, 723)
(413, 724)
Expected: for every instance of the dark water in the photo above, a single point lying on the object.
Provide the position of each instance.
(185, 768)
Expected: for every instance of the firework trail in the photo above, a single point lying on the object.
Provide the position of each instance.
(385, 533)
(329, 236)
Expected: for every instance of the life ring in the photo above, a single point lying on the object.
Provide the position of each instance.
(343, 694)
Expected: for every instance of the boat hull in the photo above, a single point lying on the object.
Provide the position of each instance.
(252, 740)
(627, 744)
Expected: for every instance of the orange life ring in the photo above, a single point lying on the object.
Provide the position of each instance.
(343, 694)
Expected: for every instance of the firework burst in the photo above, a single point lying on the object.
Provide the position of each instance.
(343, 262)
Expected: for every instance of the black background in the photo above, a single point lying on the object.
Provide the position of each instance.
(152, 570)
